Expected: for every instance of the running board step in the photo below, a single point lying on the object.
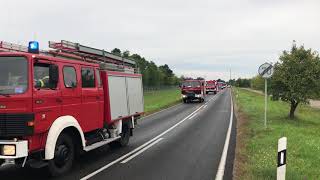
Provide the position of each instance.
(101, 143)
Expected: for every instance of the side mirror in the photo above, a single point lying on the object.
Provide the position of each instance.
(53, 75)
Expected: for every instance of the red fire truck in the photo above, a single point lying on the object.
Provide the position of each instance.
(211, 86)
(193, 90)
(56, 104)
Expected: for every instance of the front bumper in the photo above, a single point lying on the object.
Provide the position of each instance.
(20, 150)
(192, 96)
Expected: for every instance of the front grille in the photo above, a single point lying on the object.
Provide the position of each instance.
(15, 125)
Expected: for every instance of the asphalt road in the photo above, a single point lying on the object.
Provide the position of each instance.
(182, 142)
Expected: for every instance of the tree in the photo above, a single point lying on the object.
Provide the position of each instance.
(116, 51)
(126, 54)
(245, 83)
(167, 74)
(296, 77)
(257, 83)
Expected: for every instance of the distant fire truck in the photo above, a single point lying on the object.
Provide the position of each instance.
(59, 103)
(211, 86)
(193, 90)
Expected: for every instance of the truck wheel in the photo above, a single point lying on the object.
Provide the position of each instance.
(63, 156)
(124, 140)
(125, 136)
(184, 101)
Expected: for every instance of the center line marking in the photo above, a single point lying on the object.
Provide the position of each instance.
(141, 151)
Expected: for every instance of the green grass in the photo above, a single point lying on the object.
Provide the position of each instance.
(157, 100)
(303, 150)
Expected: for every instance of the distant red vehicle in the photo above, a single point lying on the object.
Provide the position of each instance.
(193, 90)
(221, 85)
(211, 86)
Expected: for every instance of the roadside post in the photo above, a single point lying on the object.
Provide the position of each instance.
(282, 158)
(266, 71)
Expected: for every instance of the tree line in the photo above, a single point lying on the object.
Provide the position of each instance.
(153, 76)
(296, 78)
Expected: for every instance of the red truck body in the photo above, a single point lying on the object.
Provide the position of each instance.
(221, 85)
(193, 90)
(211, 86)
(83, 104)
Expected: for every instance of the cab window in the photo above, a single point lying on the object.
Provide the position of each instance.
(41, 76)
(69, 77)
(87, 77)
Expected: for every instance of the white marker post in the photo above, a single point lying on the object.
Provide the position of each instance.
(282, 158)
(266, 71)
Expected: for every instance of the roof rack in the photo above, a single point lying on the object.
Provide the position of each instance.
(99, 55)
(5, 46)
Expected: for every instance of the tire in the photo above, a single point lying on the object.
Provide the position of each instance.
(64, 156)
(124, 140)
(184, 101)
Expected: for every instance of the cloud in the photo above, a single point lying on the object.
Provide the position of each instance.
(205, 37)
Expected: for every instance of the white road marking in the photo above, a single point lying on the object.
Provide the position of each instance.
(138, 148)
(141, 151)
(222, 164)
(193, 116)
(205, 106)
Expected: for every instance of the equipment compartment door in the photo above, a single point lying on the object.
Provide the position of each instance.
(135, 94)
(118, 97)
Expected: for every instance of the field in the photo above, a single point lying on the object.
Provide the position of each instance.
(160, 99)
(256, 154)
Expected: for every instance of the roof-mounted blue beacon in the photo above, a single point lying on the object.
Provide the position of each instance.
(33, 47)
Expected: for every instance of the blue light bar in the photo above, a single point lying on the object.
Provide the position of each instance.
(33, 47)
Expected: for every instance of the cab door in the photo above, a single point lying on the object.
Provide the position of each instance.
(100, 97)
(71, 90)
(46, 96)
(91, 119)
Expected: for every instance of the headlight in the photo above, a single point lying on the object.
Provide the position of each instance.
(184, 96)
(8, 150)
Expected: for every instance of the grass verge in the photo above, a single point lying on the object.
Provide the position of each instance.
(156, 100)
(256, 152)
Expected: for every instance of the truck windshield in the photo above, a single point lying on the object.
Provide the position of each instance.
(13, 75)
(191, 84)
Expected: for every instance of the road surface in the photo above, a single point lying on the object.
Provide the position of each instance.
(183, 142)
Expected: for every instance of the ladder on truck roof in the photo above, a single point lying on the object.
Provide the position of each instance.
(89, 52)
(76, 51)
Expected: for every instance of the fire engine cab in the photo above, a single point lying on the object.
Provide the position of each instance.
(56, 104)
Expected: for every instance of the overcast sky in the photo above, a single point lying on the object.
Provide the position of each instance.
(195, 38)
